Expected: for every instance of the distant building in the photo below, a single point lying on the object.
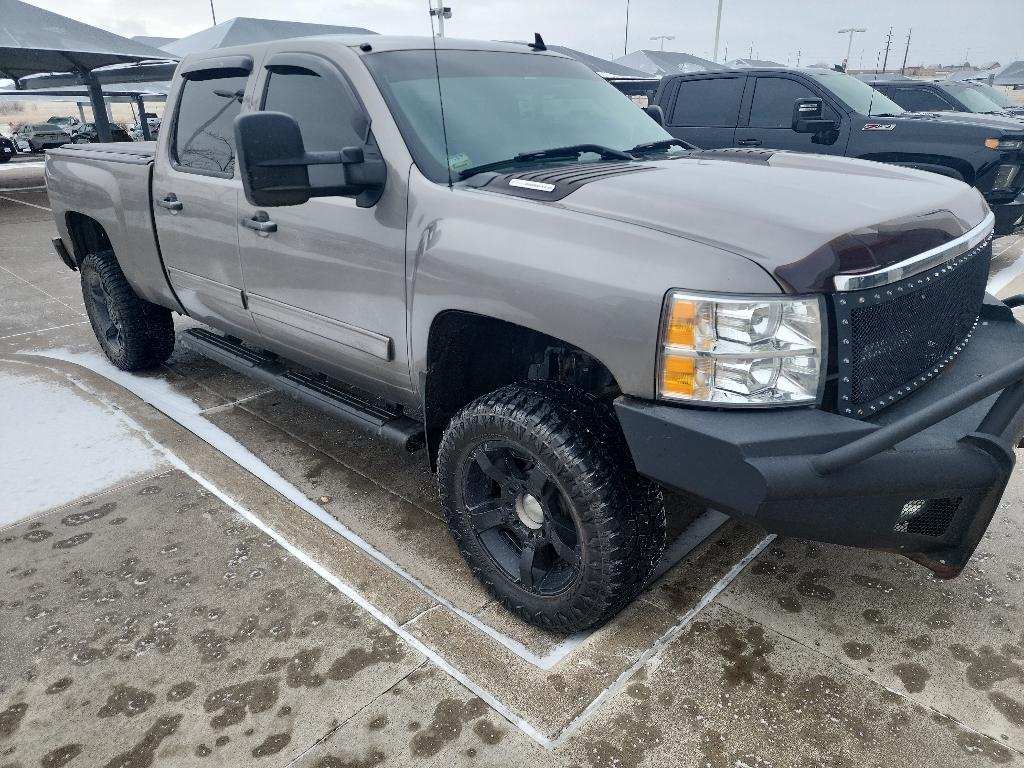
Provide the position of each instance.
(603, 67)
(661, 63)
(154, 42)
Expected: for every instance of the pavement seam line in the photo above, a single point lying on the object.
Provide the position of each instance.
(867, 677)
(22, 202)
(340, 461)
(671, 634)
(36, 287)
(44, 330)
(323, 739)
(233, 403)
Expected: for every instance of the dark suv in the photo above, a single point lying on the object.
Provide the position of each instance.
(826, 112)
(943, 96)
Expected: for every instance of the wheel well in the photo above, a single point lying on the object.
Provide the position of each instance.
(469, 355)
(87, 235)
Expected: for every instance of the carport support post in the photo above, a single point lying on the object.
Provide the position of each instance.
(143, 122)
(99, 106)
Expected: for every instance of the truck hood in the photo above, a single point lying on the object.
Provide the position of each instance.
(803, 218)
(1007, 123)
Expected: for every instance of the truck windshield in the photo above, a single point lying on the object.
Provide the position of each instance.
(498, 105)
(856, 94)
(980, 98)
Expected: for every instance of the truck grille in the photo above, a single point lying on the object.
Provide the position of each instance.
(893, 338)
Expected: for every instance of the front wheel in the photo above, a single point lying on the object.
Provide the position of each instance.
(544, 502)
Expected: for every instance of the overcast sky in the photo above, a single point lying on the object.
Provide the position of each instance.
(943, 30)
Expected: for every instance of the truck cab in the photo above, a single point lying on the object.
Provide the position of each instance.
(946, 95)
(755, 108)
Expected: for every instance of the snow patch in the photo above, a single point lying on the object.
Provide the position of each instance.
(56, 446)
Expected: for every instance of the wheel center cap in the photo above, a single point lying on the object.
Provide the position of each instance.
(530, 511)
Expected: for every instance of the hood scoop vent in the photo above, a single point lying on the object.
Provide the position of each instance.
(737, 154)
(552, 184)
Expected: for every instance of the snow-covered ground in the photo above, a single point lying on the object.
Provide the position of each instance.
(56, 445)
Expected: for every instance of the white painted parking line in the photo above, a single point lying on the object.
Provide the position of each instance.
(22, 202)
(179, 408)
(21, 166)
(22, 189)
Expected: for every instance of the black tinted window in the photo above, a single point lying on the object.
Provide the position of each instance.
(919, 100)
(204, 138)
(773, 102)
(326, 111)
(708, 102)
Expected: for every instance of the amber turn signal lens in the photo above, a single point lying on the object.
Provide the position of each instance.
(992, 143)
(682, 324)
(678, 375)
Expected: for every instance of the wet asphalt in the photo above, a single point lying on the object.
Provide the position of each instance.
(155, 624)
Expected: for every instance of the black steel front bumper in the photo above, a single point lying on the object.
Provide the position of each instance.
(922, 478)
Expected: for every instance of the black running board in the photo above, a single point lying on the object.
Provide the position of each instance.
(310, 389)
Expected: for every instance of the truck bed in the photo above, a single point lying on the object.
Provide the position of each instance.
(109, 184)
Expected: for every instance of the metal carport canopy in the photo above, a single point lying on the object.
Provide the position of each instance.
(33, 41)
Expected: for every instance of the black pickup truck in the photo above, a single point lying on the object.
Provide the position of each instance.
(947, 95)
(826, 112)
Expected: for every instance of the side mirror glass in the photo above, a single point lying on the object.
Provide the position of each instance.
(808, 117)
(274, 164)
(656, 113)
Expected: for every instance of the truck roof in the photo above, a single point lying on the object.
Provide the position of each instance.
(388, 43)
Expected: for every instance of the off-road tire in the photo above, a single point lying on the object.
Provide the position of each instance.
(619, 515)
(144, 331)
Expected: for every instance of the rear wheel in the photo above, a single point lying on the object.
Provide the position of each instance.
(134, 334)
(543, 500)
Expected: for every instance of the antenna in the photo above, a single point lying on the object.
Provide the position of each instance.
(440, 98)
(538, 43)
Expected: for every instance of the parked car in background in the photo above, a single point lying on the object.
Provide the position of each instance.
(7, 149)
(942, 96)
(68, 124)
(827, 112)
(40, 136)
(565, 306)
(154, 128)
(86, 133)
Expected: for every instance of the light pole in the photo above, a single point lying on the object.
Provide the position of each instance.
(851, 31)
(213, 13)
(718, 29)
(442, 12)
(663, 38)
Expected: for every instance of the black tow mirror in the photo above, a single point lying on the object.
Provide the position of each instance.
(809, 117)
(274, 164)
(656, 113)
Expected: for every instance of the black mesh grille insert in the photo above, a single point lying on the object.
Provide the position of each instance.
(927, 517)
(893, 338)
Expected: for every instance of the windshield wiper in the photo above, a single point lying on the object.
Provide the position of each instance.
(654, 146)
(572, 150)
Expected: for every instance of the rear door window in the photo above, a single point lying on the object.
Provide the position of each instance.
(772, 106)
(204, 135)
(920, 100)
(710, 102)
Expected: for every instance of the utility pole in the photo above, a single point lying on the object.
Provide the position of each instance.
(751, 56)
(906, 52)
(442, 12)
(851, 31)
(798, 58)
(213, 13)
(888, 44)
(625, 39)
(663, 38)
(718, 29)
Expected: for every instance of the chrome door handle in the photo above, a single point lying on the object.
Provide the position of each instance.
(171, 203)
(748, 143)
(260, 224)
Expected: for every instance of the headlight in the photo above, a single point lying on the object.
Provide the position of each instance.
(1004, 143)
(741, 351)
